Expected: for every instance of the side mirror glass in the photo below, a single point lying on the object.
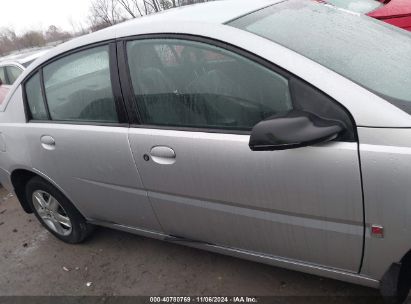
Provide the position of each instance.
(292, 130)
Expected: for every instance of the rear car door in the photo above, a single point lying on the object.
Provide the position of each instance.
(196, 102)
(77, 135)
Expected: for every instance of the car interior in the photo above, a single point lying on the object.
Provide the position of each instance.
(186, 85)
(85, 98)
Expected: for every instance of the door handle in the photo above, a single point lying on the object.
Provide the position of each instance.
(163, 155)
(48, 142)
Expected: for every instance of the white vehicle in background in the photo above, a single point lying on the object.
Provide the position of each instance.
(12, 66)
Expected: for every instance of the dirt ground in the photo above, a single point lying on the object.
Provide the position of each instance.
(33, 262)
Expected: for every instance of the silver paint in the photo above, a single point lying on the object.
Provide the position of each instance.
(300, 209)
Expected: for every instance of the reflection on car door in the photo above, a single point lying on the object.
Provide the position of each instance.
(204, 182)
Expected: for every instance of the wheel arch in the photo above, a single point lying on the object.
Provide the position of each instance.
(19, 178)
(396, 282)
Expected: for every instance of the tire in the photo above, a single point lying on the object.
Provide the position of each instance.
(56, 213)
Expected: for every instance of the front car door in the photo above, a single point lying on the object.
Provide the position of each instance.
(197, 101)
(78, 137)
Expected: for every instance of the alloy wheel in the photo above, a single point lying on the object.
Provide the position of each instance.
(51, 212)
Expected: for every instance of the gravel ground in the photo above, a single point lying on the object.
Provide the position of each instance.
(34, 263)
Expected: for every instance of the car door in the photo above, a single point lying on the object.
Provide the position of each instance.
(78, 137)
(197, 102)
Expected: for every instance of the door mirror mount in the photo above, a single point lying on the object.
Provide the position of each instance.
(294, 129)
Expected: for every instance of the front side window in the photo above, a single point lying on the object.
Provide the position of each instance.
(192, 84)
(78, 87)
(13, 73)
(35, 98)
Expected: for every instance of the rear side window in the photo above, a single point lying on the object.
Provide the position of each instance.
(192, 84)
(78, 87)
(13, 73)
(35, 98)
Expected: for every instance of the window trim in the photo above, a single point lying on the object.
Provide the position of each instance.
(115, 85)
(133, 104)
(43, 93)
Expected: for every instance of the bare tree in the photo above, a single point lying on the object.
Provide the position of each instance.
(105, 13)
(54, 33)
(78, 28)
(32, 39)
(131, 7)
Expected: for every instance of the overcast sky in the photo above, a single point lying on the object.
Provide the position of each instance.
(24, 15)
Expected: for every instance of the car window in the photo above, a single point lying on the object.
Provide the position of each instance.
(35, 98)
(3, 75)
(192, 84)
(371, 53)
(78, 87)
(13, 73)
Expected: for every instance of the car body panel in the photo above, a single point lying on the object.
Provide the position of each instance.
(105, 185)
(294, 265)
(220, 192)
(386, 167)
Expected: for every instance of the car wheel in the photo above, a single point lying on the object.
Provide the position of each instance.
(56, 213)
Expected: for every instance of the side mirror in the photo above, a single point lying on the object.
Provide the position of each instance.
(292, 130)
(1, 82)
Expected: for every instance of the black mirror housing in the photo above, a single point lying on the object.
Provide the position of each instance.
(292, 130)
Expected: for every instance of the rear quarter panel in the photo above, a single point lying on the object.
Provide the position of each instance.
(14, 153)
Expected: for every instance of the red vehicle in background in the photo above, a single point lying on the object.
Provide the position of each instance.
(395, 12)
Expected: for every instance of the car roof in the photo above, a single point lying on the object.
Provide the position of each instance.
(208, 12)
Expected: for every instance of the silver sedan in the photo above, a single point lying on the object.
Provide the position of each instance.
(277, 131)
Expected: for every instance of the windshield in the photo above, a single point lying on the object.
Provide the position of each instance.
(358, 6)
(369, 52)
